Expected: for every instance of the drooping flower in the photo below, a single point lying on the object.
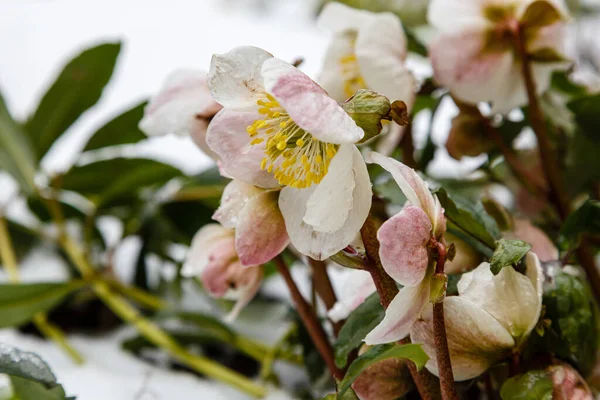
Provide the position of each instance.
(213, 258)
(490, 316)
(279, 129)
(253, 212)
(183, 106)
(476, 55)
(367, 51)
(404, 253)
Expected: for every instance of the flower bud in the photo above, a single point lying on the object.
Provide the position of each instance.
(367, 108)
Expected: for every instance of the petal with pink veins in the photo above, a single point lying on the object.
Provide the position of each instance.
(198, 256)
(228, 138)
(309, 106)
(216, 276)
(476, 341)
(234, 198)
(401, 314)
(403, 245)
(235, 79)
(260, 234)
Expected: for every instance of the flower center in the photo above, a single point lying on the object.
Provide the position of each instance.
(294, 156)
(350, 71)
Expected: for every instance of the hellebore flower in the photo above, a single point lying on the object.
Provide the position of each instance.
(183, 106)
(490, 316)
(404, 254)
(476, 55)
(213, 258)
(279, 129)
(253, 212)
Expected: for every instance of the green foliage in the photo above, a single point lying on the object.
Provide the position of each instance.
(77, 88)
(533, 385)
(20, 302)
(507, 253)
(412, 352)
(16, 151)
(586, 219)
(25, 365)
(587, 115)
(582, 163)
(25, 389)
(359, 323)
(121, 130)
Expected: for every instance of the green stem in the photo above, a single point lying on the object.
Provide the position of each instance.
(47, 329)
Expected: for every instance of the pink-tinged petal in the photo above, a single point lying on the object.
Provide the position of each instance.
(452, 16)
(439, 222)
(401, 314)
(228, 138)
(339, 18)
(233, 200)
(321, 245)
(331, 77)
(535, 273)
(235, 79)
(309, 106)
(476, 341)
(249, 286)
(198, 256)
(411, 184)
(387, 379)
(330, 203)
(357, 286)
(216, 276)
(540, 243)
(175, 108)
(260, 233)
(403, 245)
(198, 131)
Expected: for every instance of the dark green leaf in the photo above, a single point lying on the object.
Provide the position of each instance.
(25, 365)
(20, 302)
(561, 81)
(534, 385)
(16, 151)
(23, 238)
(586, 111)
(586, 219)
(77, 88)
(39, 208)
(359, 323)
(30, 390)
(186, 217)
(381, 352)
(507, 253)
(387, 188)
(121, 130)
(117, 180)
(471, 219)
(582, 163)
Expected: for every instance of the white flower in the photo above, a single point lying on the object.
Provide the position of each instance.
(279, 129)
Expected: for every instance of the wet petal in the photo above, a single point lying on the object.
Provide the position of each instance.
(476, 341)
(400, 315)
(321, 245)
(260, 233)
(403, 239)
(228, 138)
(309, 106)
(234, 198)
(235, 79)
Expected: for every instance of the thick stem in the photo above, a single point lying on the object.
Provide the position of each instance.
(310, 320)
(324, 289)
(49, 330)
(439, 335)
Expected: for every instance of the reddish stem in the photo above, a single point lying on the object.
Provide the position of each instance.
(324, 289)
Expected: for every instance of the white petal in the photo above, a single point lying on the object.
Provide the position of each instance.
(476, 340)
(401, 314)
(331, 77)
(329, 204)
(234, 78)
(357, 286)
(308, 105)
(337, 18)
(321, 245)
(451, 16)
(198, 254)
(535, 273)
(235, 196)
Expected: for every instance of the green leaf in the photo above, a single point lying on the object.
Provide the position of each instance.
(37, 206)
(359, 323)
(25, 389)
(547, 55)
(469, 219)
(117, 180)
(586, 111)
(367, 108)
(121, 130)
(561, 82)
(381, 352)
(16, 151)
(77, 88)
(507, 253)
(19, 303)
(586, 219)
(582, 163)
(534, 385)
(25, 364)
